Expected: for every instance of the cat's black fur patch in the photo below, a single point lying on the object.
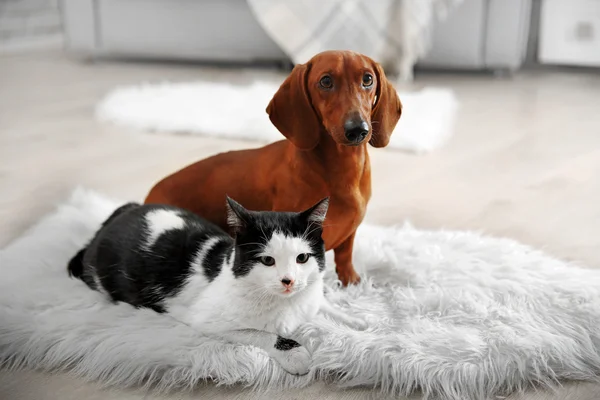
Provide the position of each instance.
(213, 262)
(285, 344)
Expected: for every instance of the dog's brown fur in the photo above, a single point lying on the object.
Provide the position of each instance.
(316, 161)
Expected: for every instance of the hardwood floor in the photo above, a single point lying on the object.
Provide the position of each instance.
(524, 163)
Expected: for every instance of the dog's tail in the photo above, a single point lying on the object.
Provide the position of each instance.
(75, 267)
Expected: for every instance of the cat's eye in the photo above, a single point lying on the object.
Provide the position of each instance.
(367, 80)
(326, 82)
(302, 258)
(267, 260)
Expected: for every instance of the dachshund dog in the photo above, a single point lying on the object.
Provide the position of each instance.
(329, 109)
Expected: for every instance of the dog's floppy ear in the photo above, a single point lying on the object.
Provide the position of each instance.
(291, 110)
(387, 110)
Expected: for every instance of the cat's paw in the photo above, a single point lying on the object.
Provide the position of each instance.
(357, 323)
(345, 319)
(351, 322)
(296, 360)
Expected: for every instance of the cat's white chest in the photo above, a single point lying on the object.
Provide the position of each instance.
(279, 315)
(299, 310)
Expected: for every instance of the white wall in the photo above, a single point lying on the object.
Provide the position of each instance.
(29, 23)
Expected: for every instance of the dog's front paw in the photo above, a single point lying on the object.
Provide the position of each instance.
(348, 276)
(293, 357)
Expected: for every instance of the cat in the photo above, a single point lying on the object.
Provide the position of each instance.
(255, 288)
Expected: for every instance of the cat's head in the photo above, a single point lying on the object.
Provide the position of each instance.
(278, 253)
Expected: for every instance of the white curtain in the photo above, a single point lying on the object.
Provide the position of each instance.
(394, 32)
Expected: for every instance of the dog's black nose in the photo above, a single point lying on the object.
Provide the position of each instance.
(356, 130)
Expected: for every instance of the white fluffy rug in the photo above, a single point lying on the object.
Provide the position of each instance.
(238, 111)
(455, 314)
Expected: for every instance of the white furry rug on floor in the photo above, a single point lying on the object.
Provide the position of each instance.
(455, 314)
(238, 112)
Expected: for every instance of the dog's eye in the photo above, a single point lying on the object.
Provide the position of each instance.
(367, 80)
(326, 82)
(267, 260)
(302, 258)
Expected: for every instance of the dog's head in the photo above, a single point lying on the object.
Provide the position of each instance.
(342, 93)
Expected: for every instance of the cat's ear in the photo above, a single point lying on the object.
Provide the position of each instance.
(237, 216)
(317, 212)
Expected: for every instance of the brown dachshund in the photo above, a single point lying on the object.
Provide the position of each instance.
(328, 109)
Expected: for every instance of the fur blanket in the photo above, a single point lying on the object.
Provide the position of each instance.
(454, 314)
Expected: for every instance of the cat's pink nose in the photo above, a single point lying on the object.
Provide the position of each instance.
(288, 283)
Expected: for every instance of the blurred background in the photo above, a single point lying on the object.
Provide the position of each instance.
(500, 131)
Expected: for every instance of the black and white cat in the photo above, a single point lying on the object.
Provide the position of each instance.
(254, 289)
